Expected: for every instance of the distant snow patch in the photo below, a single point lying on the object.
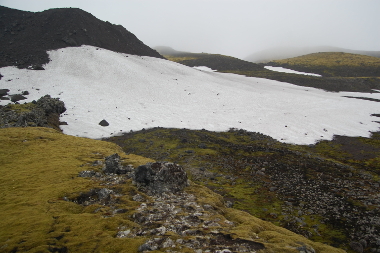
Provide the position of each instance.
(204, 68)
(281, 69)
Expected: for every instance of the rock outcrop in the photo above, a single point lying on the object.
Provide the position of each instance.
(157, 178)
(44, 112)
(168, 213)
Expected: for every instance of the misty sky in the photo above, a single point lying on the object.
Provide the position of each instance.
(234, 27)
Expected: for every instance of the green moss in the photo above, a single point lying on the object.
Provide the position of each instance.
(332, 60)
(231, 160)
(340, 71)
(39, 166)
(20, 108)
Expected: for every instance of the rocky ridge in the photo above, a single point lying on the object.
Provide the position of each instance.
(320, 198)
(26, 36)
(171, 218)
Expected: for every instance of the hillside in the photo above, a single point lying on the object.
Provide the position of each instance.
(26, 36)
(340, 71)
(48, 205)
(326, 192)
(280, 53)
(214, 61)
(98, 84)
(334, 64)
(201, 161)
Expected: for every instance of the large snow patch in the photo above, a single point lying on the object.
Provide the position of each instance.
(133, 92)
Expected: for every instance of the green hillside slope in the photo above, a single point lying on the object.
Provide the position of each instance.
(334, 64)
(326, 192)
(41, 208)
(340, 71)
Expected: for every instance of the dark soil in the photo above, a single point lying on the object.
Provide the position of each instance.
(26, 36)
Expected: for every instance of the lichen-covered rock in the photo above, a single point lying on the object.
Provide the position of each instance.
(112, 164)
(43, 113)
(159, 177)
(51, 105)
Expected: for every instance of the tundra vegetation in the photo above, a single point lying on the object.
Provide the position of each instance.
(327, 192)
(51, 203)
(340, 71)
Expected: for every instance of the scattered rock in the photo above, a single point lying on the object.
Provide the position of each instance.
(51, 105)
(37, 67)
(104, 123)
(306, 249)
(357, 247)
(202, 145)
(45, 113)
(104, 193)
(229, 204)
(17, 97)
(87, 173)
(112, 164)
(157, 178)
(272, 189)
(3, 92)
(138, 198)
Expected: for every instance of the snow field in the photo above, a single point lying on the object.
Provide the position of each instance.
(133, 92)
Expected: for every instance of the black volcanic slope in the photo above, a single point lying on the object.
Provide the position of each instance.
(26, 36)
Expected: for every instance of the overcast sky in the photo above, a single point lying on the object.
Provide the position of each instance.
(234, 27)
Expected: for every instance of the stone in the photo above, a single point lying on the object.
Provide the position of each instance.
(145, 247)
(51, 105)
(157, 178)
(357, 247)
(104, 123)
(229, 204)
(86, 173)
(70, 41)
(161, 230)
(306, 249)
(124, 169)
(363, 243)
(3, 92)
(208, 207)
(138, 198)
(122, 234)
(17, 97)
(104, 193)
(37, 67)
(112, 164)
(168, 243)
(202, 145)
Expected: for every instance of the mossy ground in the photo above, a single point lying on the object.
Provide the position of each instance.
(40, 167)
(231, 160)
(340, 71)
(335, 64)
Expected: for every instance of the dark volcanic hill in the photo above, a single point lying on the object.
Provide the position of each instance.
(26, 36)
